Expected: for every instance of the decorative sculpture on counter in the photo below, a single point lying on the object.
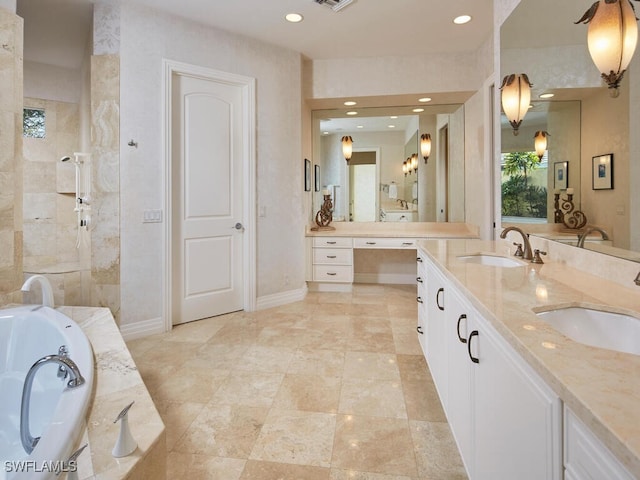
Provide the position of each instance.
(125, 445)
(566, 213)
(325, 214)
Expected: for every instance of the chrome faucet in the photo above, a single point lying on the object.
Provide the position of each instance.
(403, 204)
(45, 286)
(28, 442)
(589, 230)
(527, 255)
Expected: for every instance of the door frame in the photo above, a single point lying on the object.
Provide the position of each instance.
(346, 175)
(248, 86)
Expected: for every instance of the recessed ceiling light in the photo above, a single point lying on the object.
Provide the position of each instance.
(352, 113)
(547, 95)
(293, 17)
(462, 19)
(393, 116)
(325, 133)
(424, 99)
(360, 126)
(350, 103)
(418, 110)
(391, 126)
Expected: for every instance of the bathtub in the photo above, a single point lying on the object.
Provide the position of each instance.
(57, 413)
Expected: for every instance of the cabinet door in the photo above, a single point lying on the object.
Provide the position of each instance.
(421, 280)
(459, 313)
(436, 331)
(516, 416)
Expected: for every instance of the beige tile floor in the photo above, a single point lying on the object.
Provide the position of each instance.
(332, 388)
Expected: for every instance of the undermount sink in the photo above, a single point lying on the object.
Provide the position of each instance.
(491, 260)
(597, 328)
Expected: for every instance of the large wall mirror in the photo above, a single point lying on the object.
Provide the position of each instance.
(376, 184)
(583, 122)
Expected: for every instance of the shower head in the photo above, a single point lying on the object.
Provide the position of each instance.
(65, 159)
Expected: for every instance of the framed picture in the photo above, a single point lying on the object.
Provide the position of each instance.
(307, 175)
(560, 175)
(602, 178)
(316, 178)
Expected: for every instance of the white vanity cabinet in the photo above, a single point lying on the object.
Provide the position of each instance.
(505, 419)
(585, 457)
(332, 259)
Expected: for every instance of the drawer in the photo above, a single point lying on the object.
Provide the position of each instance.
(333, 256)
(338, 242)
(396, 243)
(333, 273)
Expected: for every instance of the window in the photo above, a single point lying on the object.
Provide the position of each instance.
(524, 186)
(33, 123)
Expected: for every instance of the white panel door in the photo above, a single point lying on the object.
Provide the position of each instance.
(207, 154)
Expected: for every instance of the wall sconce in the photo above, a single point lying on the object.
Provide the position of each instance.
(516, 95)
(406, 167)
(612, 37)
(414, 162)
(540, 142)
(347, 147)
(425, 146)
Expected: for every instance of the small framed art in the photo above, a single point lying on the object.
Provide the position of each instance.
(560, 175)
(602, 178)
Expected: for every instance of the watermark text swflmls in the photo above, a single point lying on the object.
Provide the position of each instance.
(24, 466)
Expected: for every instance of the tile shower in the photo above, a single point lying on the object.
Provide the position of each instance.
(53, 244)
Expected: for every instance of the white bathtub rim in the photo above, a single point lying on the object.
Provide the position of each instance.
(48, 449)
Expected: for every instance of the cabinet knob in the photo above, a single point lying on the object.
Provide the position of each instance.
(332, 274)
(419, 300)
(419, 330)
(331, 256)
(418, 259)
(419, 280)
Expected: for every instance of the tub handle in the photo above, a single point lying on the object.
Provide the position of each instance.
(29, 442)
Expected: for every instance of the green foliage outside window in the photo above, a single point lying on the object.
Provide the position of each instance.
(521, 198)
(33, 123)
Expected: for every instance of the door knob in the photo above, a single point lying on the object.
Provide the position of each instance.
(239, 226)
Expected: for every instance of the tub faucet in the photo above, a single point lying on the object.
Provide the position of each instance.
(28, 442)
(589, 230)
(45, 286)
(527, 255)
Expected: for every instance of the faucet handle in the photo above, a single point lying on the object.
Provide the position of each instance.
(536, 256)
(519, 252)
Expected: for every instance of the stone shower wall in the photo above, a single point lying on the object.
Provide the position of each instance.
(11, 233)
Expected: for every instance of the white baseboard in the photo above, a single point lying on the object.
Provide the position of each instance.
(385, 278)
(142, 329)
(283, 298)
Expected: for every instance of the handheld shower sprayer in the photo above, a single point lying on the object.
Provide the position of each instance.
(65, 159)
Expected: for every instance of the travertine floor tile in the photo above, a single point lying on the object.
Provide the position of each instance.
(301, 438)
(373, 444)
(309, 393)
(223, 431)
(377, 398)
(331, 388)
(257, 470)
(203, 467)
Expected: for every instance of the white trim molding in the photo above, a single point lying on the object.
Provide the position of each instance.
(142, 329)
(283, 298)
(385, 278)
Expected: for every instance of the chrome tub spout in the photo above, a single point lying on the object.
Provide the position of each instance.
(28, 441)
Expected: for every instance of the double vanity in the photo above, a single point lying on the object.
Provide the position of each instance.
(510, 345)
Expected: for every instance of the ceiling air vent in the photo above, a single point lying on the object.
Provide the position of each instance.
(335, 5)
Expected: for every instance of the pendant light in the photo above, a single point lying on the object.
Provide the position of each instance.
(516, 95)
(612, 37)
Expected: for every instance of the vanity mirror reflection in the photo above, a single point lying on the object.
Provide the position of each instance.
(376, 184)
(583, 121)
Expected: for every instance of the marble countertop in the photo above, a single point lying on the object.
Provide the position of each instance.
(601, 386)
(398, 230)
(117, 382)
